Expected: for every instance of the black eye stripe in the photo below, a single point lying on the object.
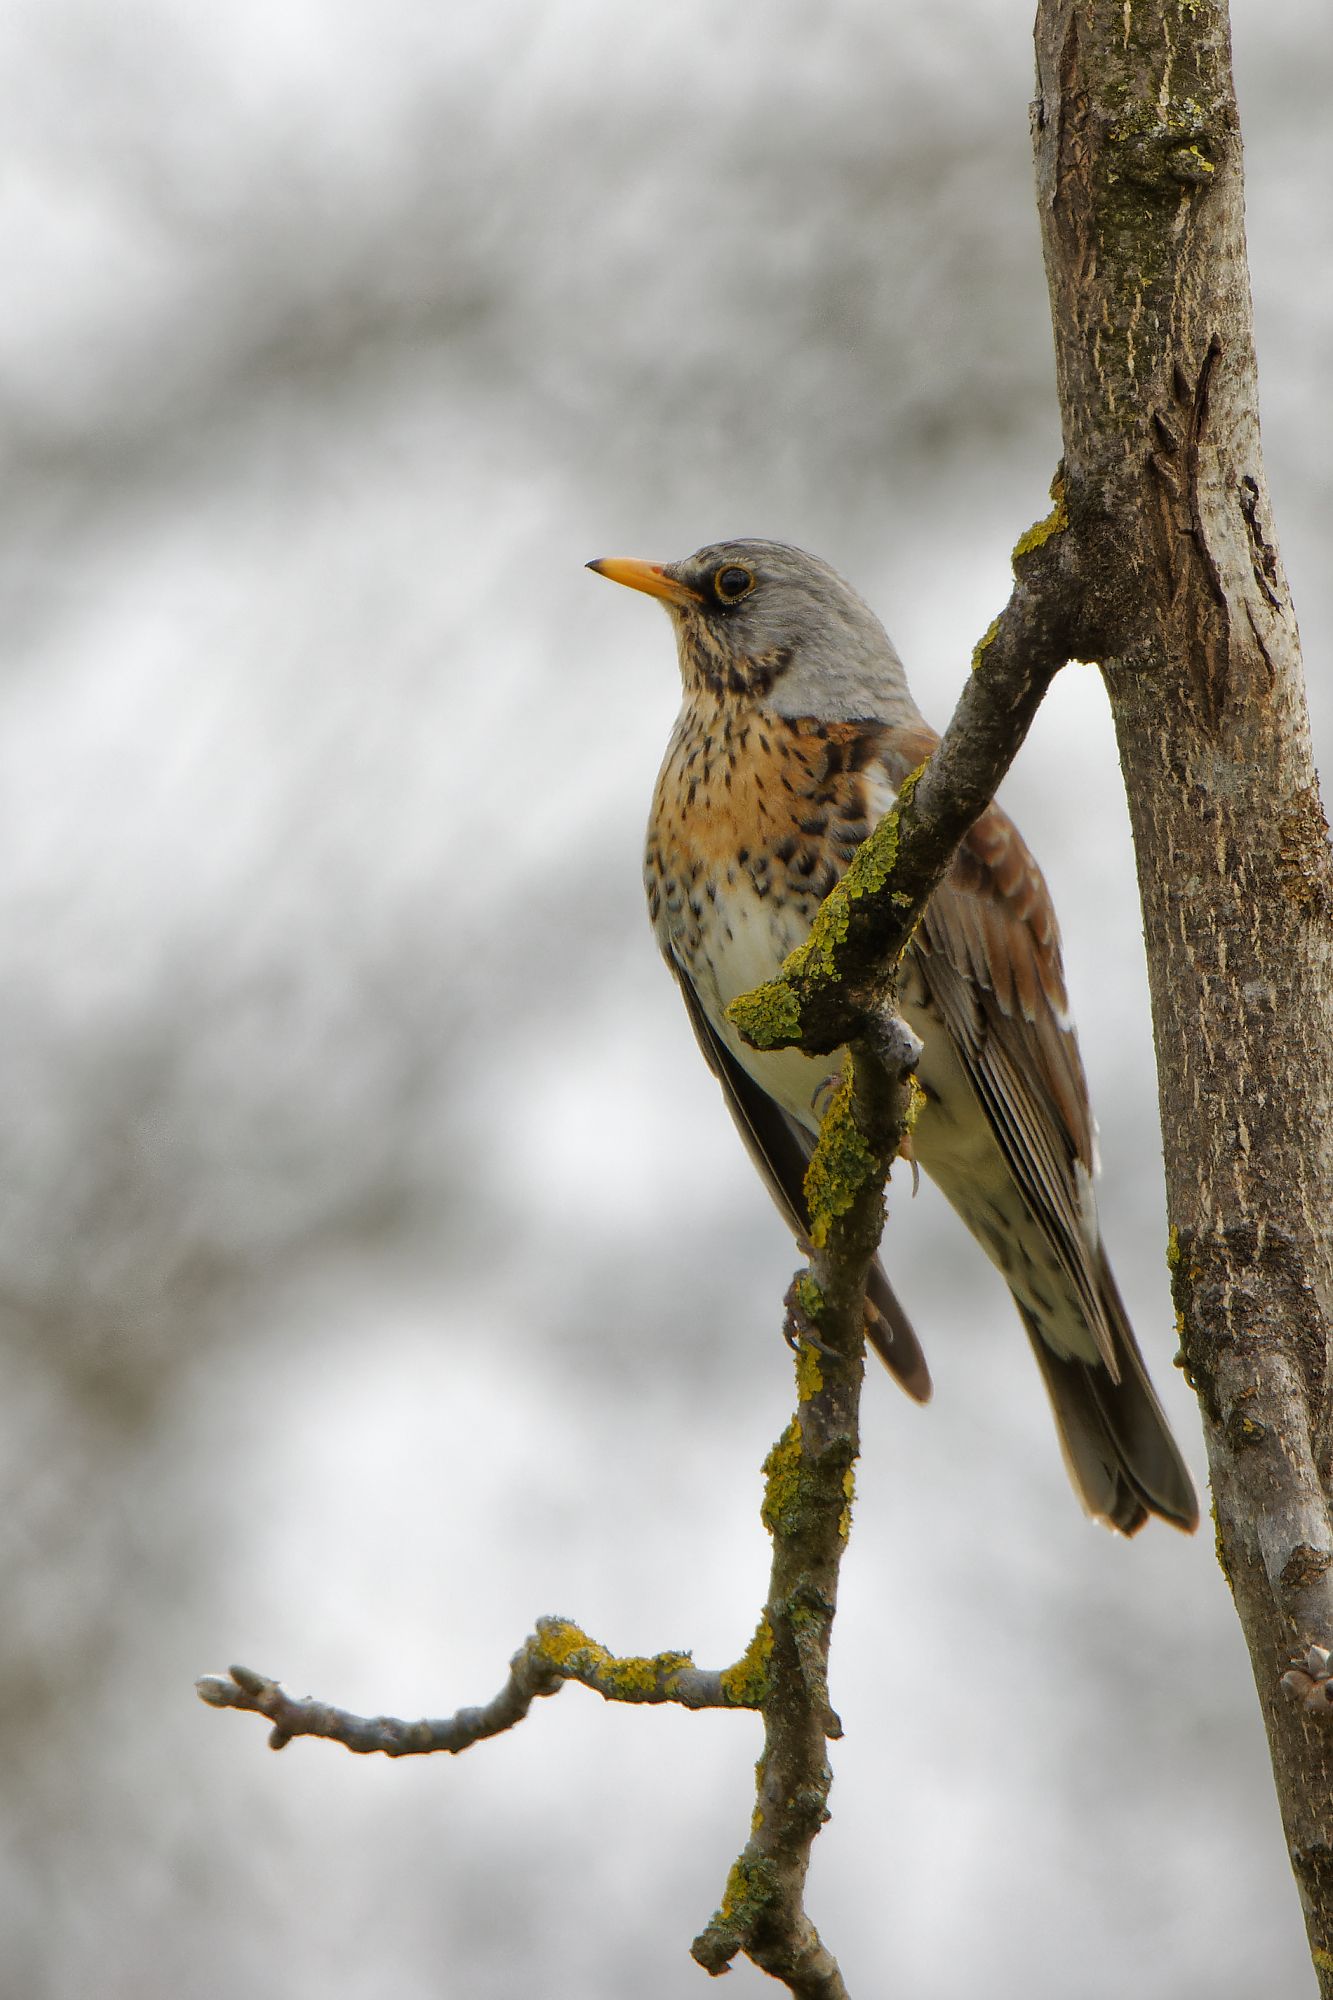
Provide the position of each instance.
(732, 583)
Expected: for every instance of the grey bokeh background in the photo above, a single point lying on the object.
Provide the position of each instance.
(379, 1269)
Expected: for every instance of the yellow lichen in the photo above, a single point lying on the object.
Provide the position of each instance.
(819, 954)
(558, 1640)
(809, 1374)
(769, 1017)
(632, 1678)
(808, 1295)
(636, 1676)
(1055, 523)
(874, 859)
(746, 1683)
(849, 1496)
(783, 1470)
(867, 872)
(983, 642)
(916, 1104)
(1181, 1272)
(734, 1893)
(804, 1620)
(840, 1165)
(750, 1885)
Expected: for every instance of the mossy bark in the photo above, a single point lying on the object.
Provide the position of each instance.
(1183, 601)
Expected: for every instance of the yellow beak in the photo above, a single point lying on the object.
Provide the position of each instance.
(646, 576)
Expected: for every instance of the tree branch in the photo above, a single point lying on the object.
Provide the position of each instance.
(558, 1651)
(807, 1509)
(839, 990)
(1141, 201)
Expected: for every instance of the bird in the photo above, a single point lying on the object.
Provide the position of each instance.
(795, 733)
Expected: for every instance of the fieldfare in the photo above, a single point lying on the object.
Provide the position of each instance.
(797, 729)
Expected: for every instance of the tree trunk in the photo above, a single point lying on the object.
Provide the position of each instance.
(1183, 601)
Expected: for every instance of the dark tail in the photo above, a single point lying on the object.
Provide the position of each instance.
(1117, 1445)
(889, 1332)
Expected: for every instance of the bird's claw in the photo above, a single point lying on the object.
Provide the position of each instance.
(796, 1325)
(823, 1093)
(907, 1152)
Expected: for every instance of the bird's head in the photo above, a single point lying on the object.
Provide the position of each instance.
(760, 623)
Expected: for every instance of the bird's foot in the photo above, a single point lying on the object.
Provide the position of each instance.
(906, 1152)
(797, 1326)
(823, 1093)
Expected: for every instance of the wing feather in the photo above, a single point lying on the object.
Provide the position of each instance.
(781, 1151)
(988, 953)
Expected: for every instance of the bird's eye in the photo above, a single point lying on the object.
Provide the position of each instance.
(732, 583)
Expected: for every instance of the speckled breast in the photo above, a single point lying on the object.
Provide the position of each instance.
(754, 819)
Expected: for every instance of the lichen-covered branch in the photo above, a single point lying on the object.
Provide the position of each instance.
(807, 1510)
(839, 990)
(556, 1652)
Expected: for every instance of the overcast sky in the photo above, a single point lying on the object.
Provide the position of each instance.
(379, 1267)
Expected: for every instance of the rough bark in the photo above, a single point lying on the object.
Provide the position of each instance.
(1185, 606)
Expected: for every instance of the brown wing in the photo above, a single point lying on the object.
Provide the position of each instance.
(781, 1151)
(988, 952)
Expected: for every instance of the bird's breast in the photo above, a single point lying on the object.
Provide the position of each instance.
(754, 819)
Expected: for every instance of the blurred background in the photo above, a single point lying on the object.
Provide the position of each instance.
(379, 1266)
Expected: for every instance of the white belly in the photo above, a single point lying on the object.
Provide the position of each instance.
(741, 952)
